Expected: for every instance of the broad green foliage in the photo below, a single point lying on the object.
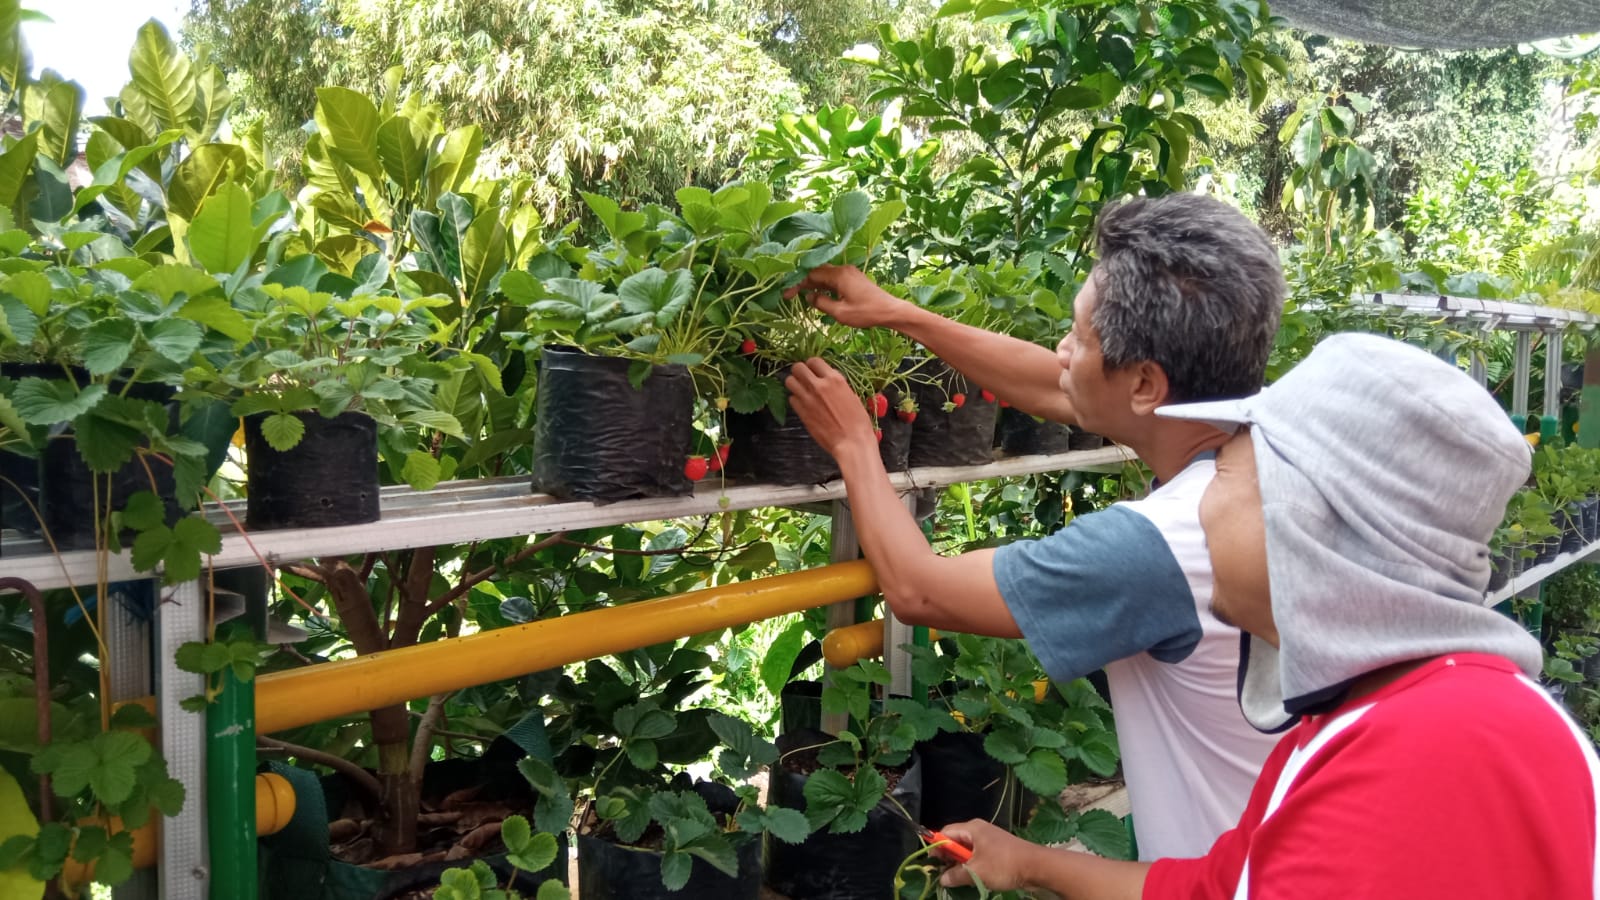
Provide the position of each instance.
(1085, 102)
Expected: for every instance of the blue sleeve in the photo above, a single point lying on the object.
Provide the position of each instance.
(1105, 587)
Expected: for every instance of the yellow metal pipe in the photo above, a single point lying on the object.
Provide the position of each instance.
(275, 804)
(864, 640)
(314, 693)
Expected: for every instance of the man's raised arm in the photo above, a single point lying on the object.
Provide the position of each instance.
(1025, 375)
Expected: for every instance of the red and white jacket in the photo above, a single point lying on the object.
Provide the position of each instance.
(1463, 779)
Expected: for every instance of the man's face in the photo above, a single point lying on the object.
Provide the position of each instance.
(1236, 536)
(1093, 395)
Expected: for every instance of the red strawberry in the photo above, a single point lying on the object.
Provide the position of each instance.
(1004, 405)
(696, 468)
(878, 433)
(880, 405)
(716, 462)
(959, 400)
(907, 415)
(748, 347)
(987, 395)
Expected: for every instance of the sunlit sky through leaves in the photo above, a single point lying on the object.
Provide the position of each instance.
(88, 40)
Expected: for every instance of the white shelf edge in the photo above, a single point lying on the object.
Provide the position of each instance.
(481, 510)
(1531, 578)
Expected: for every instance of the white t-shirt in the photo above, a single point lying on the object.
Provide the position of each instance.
(1129, 589)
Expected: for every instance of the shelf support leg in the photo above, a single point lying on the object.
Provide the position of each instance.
(185, 866)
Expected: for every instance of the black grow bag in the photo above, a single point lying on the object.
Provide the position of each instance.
(1085, 440)
(329, 478)
(597, 437)
(964, 436)
(67, 492)
(611, 871)
(895, 447)
(608, 871)
(962, 782)
(1020, 434)
(826, 866)
(774, 452)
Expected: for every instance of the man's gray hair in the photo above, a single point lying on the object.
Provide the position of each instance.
(1189, 283)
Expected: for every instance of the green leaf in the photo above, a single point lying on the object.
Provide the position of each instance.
(1103, 833)
(483, 252)
(516, 832)
(212, 99)
(661, 294)
(1099, 752)
(161, 76)
(1007, 746)
(1044, 772)
(642, 753)
(283, 431)
(455, 160)
(787, 825)
(675, 869)
(143, 511)
(421, 470)
(174, 339)
(553, 890)
(32, 288)
(537, 853)
(348, 123)
(106, 345)
(222, 235)
(206, 169)
(114, 866)
(15, 164)
(17, 829)
(48, 402)
(642, 720)
(402, 148)
(61, 109)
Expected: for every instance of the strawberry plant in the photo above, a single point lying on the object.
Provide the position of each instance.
(526, 851)
(617, 737)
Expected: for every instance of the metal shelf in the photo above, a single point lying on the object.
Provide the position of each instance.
(1504, 313)
(486, 509)
(1531, 578)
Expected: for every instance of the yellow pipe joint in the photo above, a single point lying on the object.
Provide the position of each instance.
(275, 805)
(843, 646)
(328, 690)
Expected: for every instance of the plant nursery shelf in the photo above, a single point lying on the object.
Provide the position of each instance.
(1532, 577)
(486, 509)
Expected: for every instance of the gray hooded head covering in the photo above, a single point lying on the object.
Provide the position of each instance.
(1383, 473)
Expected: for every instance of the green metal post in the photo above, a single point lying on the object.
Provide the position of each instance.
(1589, 402)
(231, 788)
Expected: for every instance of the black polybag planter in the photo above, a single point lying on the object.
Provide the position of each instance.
(964, 436)
(597, 437)
(611, 871)
(895, 447)
(67, 493)
(774, 452)
(962, 782)
(608, 871)
(858, 866)
(1570, 521)
(329, 478)
(1022, 435)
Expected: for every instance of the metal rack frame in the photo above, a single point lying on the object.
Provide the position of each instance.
(457, 512)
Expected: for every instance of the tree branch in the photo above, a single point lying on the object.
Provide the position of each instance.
(354, 605)
(468, 582)
(422, 746)
(358, 776)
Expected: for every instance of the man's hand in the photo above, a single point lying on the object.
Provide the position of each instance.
(830, 410)
(999, 858)
(849, 296)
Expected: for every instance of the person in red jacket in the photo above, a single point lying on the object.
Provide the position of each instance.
(1348, 525)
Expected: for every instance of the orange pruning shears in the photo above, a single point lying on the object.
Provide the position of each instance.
(945, 845)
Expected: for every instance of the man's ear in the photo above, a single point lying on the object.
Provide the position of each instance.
(1150, 388)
